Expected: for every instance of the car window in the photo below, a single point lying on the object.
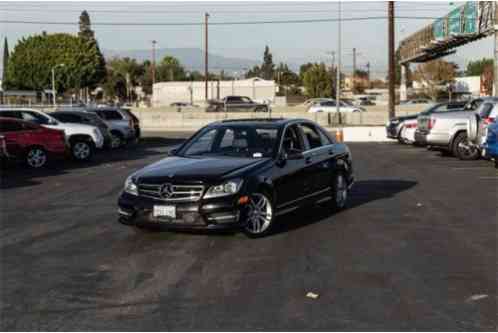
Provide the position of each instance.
(311, 136)
(10, 126)
(34, 117)
(202, 144)
(11, 114)
(292, 141)
(110, 115)
(227, 139)
(234, 100)
(67, 118)
(245, 100)
(485, 109)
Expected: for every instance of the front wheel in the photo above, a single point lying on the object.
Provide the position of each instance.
(82, 150)
(36, 157)
(259, 215)
(339, 192)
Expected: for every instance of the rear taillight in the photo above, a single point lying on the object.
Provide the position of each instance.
(431, 124)
(411, 126)
(489, 120)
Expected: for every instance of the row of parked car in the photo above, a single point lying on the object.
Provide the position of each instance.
(468, 130)
(36, 137)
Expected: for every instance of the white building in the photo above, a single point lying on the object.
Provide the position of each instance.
(165, 93)
(468, 84)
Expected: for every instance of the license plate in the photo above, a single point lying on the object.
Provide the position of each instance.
(165, 211)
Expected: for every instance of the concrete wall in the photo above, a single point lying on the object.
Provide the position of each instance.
(170, 119)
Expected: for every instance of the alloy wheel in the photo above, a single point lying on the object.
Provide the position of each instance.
(36, 158)
(115, 141)
(81, 150)
(341, 191)
(259, 214)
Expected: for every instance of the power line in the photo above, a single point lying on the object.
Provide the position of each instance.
(349, 19)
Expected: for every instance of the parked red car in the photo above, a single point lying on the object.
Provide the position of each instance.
(33, 144)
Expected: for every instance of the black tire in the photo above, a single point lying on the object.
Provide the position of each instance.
(36, 157)
(258, 216)
(400, 138)
(496, 163)
(461, 150)
(117, 140)
(340, 192)
(82, 150)
(261, 109)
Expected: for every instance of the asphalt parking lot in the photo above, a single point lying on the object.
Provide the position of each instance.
(415, 250)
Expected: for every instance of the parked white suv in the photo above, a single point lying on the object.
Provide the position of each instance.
(82, 139)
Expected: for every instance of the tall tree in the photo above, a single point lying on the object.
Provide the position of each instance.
(5, 63)
(434, 75)
(267, 68)
(86, 31)
(317, 81)
(33, 58)
(170, 69)
(478, 67)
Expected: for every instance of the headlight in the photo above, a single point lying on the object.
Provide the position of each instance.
(130, 186)
(228, 188)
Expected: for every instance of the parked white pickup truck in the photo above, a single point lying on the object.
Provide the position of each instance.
(448, 130)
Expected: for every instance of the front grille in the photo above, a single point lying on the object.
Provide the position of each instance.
(179, 193)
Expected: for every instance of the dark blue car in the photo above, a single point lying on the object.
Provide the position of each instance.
(490, 145)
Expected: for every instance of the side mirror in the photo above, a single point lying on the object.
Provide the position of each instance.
(172, 152)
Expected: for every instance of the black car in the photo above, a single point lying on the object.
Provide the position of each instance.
(135, 120)
(81, 117)
(239, 174)
(395, 125)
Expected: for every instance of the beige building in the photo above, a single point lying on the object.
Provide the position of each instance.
(165, 93)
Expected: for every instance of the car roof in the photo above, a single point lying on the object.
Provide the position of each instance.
(271, 122)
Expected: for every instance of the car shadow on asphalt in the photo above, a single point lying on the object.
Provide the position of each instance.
(362, 192)
(15, 175)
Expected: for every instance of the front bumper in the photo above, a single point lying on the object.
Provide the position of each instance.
(490, 150)
(214, 214)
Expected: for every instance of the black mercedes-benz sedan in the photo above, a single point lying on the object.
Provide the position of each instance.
(239, 174)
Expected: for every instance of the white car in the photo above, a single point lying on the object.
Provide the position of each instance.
(82, 139)
(330, 106)
(407, 134)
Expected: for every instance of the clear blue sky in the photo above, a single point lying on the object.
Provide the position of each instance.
(288, 42)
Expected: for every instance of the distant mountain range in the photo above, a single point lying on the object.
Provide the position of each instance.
(191, 58)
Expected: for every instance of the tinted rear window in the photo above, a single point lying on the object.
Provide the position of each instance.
(110, 115)
(485, 110)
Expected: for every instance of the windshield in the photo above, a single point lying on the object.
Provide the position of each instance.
(233, 141)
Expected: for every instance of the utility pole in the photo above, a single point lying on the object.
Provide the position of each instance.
(206, 68)
(392, 74)
(354, 69)
(495, 78)
(53, 83)
(153, 67)
(338, 71)
(368, 74)
(332, 65)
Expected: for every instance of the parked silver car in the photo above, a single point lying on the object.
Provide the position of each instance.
(121, 125)
(448, 130)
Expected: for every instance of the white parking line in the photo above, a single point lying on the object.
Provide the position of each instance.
(494, 178)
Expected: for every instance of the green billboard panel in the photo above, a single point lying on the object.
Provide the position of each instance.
(470, 18)
(439, 28)
(455, 22)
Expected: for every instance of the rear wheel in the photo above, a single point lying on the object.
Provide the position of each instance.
(36, 157)
(116, 140)
(259, 215)
(82, 150)
(463, 149)
(261, 109)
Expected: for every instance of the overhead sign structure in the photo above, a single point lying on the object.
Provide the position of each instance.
(467, 23)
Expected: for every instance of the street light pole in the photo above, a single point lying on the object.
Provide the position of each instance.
(206, 68)
(53, 83)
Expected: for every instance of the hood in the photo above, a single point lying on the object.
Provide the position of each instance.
(208, 170)
(72, 127)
